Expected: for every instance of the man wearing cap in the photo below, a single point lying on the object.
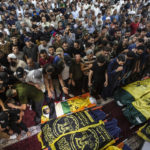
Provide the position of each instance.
(24, 93)
(14, 62)
(30, 50)
(59, 55)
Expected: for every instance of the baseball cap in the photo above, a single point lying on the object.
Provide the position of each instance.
(19, 72)
(59, 51)
(9, 93)
(13, 56)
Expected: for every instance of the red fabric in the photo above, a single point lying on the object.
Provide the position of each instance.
(31, 143)
(134, 26)
(49, 60)
(28, 117)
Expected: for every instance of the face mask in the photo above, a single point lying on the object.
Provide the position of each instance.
(13, 63)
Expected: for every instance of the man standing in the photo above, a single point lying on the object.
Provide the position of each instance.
(115, 73)
(134, 25)
(98, 77)
(30, 50)
(24, 93)
(76, 75)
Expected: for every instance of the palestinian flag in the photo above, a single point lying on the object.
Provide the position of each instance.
(136, 98)
(74, 104)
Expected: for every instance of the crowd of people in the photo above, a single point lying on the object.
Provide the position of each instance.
(55, 49)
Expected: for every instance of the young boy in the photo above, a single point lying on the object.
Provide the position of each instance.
(116, 71)
(98, 77)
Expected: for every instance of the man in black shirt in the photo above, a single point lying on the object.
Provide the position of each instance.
(98, 77)
(30, 50)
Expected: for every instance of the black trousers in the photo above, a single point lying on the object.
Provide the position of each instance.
(77, 89)
(17, 127)
(38, 110)
(96, 89)
(85, 83)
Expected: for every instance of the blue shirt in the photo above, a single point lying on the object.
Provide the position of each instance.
(132, 46)
(56, 59)
(112, 74)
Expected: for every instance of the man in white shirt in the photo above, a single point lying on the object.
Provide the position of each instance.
(75, 13)
(44, 44)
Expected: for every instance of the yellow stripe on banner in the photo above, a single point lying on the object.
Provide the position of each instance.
(138, 89)
(141, 134)
(89, 116)
(143, 105)
(81, 130)
(40, 139)
(110, 143)
(113, 148)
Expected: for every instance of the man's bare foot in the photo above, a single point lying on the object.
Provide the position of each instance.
(19, 137)
(28, 133)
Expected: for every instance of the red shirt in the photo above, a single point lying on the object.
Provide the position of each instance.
(134, 26)
(49, 60)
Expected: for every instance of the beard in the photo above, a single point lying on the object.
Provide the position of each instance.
(13, 63)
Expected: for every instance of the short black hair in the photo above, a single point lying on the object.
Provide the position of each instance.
(121, 57)
(51, 47)
(101, 59)
(141, 47)
(43, 51)
(48, 68)
(131, 54)
(141, 40)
